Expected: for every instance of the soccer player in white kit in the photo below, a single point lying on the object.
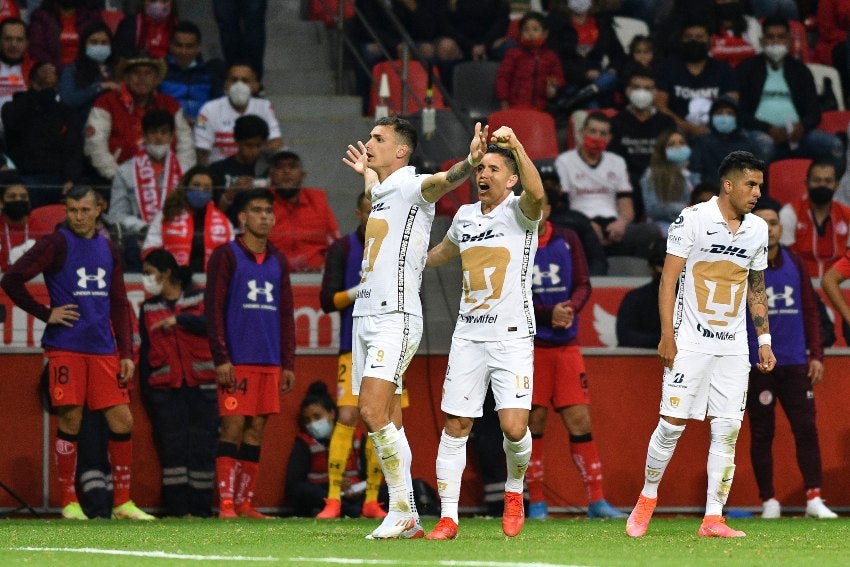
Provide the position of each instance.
(493, 340)
(717, 253)
(387, 311)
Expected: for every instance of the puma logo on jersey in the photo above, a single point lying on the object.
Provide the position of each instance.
(486, 235)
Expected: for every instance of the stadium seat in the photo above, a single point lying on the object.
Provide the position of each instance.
(534, 128)
(822, 72)
(47, 216)
(786, 179)
(448, 205)
(417, 80)
(623, 266)
(474, 84)
(450, 139)
(627, 28)
(834, 121)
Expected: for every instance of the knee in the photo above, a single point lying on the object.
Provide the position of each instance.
(120, 420)
(458, 426)
(375, 418)
(577, 420)
(348, 415)
(515, 431)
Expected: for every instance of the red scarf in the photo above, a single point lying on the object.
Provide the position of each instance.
(149, 194)
(177, 234)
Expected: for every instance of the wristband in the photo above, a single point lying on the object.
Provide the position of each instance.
(352, 292)
(764, 339)
(469, 159)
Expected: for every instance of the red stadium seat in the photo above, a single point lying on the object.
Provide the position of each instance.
(534, 128)
(786, 179)
(448, 205)
(417, 80)
(47, 216)
(834, 121)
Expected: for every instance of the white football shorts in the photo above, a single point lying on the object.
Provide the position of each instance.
(382, 347)
(702, 384)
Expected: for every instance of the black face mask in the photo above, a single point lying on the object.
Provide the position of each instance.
(288, 193)
(16, 210)
(820, 195)
(694, 51)
(46, 96)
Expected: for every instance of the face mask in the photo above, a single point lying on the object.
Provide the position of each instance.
(536, 42)
(679, 154)
(594, 145)
(239, 93)
(641, 98)
(16, 210)
(579, 6)
(694, 51)
(820, 195)
(99, 53)
(724, 123)
(46, 96)
(288, 193)
(157, 151)
(776, 52)
(198, 199)
(150, 284)
(320, 429)
(158, 10)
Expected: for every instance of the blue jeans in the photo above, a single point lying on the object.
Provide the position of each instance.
(242, 30)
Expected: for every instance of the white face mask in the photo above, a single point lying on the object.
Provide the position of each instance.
(641, 98)
(776, 52)
(579, 6)
(320, 429)
(239, 93)
(157, 151)
(150, 284)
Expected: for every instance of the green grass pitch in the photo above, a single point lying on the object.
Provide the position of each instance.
(307, 542)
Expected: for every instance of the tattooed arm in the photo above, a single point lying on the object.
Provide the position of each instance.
(437, 185)
(757, 302)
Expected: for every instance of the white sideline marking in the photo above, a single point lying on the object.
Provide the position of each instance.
(446, 563)
(154, 554)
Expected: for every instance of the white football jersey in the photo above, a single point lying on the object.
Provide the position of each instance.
(396, 246)
(710, 310)
(593, 190)
(497, 256)
(214, 128)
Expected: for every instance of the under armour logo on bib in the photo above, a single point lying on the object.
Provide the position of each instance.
(787, 296)
(254, 291)
(551, 275)
(85, 278)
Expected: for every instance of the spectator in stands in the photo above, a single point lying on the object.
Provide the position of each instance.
(638, 323)
(833, 21)
(214, 130)
(177, 380)
(729, 39)
(243, 169)
(589, 50)
(475, 30)
(304, 223)
(190, 226)
(702, 193)
(779, 101)
(190, 79)
(795, 322)
(242, 31)
(530, 75)
(307, 469)
(142, 183)
(148, 30)
(635, 129)
(598, 186)
(114, 128)
(41, 134)
(667, 183)
(815, 227)
(91, 73)
(15, 62)
(690, 82)
(724, 136)
(18, 233)
(56, 29)
(640, 59)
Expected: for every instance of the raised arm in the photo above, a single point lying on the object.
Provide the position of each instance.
(436, 185)
(531, 199)
(442, 253)
(356, 160)
(757, 302)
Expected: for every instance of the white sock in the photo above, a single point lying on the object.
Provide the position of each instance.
(517, 455)
(390, 451)
(451, 460)
(662, 443)
(407, 456)
(721, 463)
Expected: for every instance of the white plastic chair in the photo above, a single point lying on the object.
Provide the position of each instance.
(627, 28)
(822, 72)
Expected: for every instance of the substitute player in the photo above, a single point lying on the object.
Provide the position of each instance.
(88, 317)
(493, 340)
(717, 252)
(387, 312)
(251, 330)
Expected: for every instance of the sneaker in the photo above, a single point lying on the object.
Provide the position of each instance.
(715, 526)
(638, 521)
(771, 509)
(416, 532)
(129, 511)
(371, 509)
(226, 510)
(74, 511)
(446, 528)
(332, 509)
(393, 527)
(601, 509)
(815, 508)
(538, 510)
(514, 515)
(246, 510)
